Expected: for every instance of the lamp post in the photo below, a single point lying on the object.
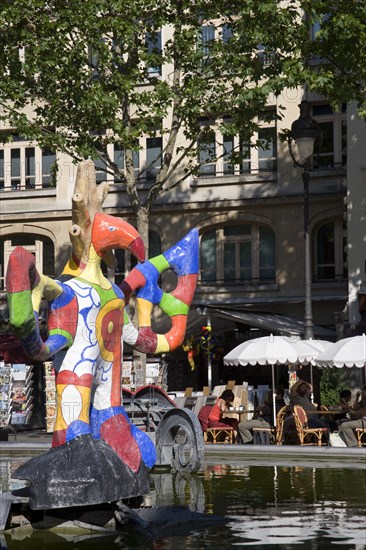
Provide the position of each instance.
(305, 131)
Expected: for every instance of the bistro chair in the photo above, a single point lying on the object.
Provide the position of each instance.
(280, 420)
(219, 435)
(308, 436)
(275, 434)
(361, 436)
(214, 435)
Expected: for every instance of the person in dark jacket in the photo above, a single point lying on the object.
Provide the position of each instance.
(358, 419)
(302, 397)
(342, 408)
(263, 416)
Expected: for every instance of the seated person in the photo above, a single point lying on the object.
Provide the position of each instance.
(358, 419)
(262, 417)
(302, 396)
(222, 404)
(280, 398)
(344, 406)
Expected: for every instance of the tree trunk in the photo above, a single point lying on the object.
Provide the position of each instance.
(143, 229)
(143, 215)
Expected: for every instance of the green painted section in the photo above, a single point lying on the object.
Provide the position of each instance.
(172, 306)
(106, 295)
(21, 312)
(160, 262)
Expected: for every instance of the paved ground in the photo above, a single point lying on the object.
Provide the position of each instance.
(29, 436)
(26, 443)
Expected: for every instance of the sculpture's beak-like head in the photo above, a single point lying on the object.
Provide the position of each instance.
(109, 232)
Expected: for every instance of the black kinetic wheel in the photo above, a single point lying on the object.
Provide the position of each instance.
(179, 441)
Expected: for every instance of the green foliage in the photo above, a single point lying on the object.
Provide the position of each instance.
(340, 42)
(332, 382)
(53, 173)
(85, 66)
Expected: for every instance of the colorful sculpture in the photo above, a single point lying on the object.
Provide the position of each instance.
(98, 455)
(192, 349)
(207, 341)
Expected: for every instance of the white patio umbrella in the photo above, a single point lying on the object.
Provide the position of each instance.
(348, 352)
(319, 346)
(271, 350)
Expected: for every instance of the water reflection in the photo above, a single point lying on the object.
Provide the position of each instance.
(263, 506)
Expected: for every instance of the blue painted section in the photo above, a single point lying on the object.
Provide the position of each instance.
(65, 298)
(184, 256)
(151, 291)
(147, 447)
(32, 342)
(77, 428)
(118, 291)
(56, 342)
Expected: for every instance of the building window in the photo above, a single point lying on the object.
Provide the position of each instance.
(153, 157)
(15, 168)
(100, 171)
(267, 254)
(210, 34)
(2, 171)
(245, 156)
(208, 256)
(316, 26)
(30, 169)
(331, 150)
(119, 160)
(222, 155)
(95, 56)
(226, 32)
(331, 251)
(207, 154)
(153, 46)
(265, 55)
(212, 40)
(238, 253)
(146, 160)
(228, 144)
(267, 150)
(206, 38)
(25, 166)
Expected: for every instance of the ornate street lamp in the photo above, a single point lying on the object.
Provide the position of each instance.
(305, 131)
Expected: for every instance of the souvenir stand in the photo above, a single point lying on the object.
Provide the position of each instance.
(6, 387)
(16, 394)
(50, 389)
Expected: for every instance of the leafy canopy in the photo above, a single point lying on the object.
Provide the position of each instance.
(73, 69)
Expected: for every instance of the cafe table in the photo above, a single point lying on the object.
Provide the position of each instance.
(236, 413)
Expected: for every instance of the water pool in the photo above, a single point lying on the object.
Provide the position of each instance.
(271, 507)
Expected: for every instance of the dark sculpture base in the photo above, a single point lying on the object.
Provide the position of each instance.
(81, 472)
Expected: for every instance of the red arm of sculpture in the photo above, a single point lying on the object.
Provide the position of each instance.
(25, 288)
